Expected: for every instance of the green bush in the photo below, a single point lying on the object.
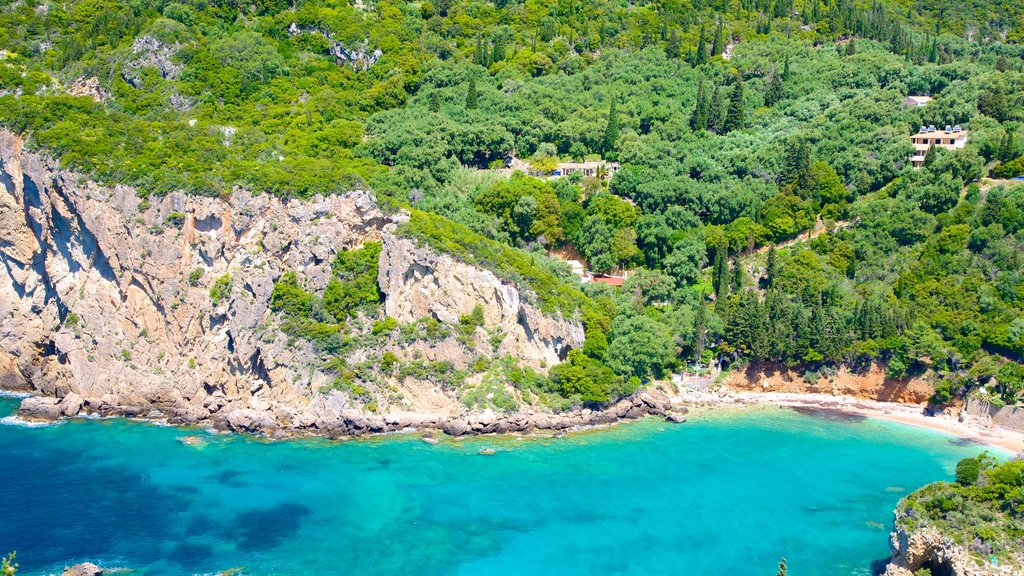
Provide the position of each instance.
(195, 275)
(176, 219)
(221, 289)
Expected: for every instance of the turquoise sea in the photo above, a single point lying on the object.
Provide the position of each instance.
(726, 493)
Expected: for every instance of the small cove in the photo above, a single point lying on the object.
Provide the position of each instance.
(725, 493)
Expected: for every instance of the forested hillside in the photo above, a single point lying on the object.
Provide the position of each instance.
(739, 125)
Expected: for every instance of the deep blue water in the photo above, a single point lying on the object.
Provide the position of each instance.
(721, 494)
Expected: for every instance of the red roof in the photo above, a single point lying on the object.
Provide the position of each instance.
(608, 280)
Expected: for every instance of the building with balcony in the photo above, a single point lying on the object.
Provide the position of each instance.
(952, 138)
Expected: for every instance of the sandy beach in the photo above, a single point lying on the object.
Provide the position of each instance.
(911, 414)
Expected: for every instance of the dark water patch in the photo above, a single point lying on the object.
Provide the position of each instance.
(265, 529)
(191, 555)
(964, 442)
(63, 505)
(183, 489)
(200, 524)
(877, 567)
(231, 478)
(830, 414)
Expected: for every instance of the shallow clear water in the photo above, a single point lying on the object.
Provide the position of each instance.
(721, 494)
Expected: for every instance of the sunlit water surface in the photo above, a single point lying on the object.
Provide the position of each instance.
(725, 493)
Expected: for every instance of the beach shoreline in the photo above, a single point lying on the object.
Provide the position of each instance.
(677, 402)
(970, 428)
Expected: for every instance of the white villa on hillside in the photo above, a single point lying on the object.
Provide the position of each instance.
(916, 101)
(952, 138)
(592, 168)
(597, 168)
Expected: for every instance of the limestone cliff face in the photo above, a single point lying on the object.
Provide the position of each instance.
(419, 283)
(105, 299)
(927, 547)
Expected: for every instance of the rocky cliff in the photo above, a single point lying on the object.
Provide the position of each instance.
(420, 283)
(114, 304)
(929, 548)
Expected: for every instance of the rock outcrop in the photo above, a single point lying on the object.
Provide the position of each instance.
(86, 569)
(106, 307)
(927, 547)
(419, 283)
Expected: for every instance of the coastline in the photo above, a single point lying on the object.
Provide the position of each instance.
(648, 402)
(1009, 441)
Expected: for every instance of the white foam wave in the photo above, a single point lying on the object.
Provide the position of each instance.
(13, 394)
(15, 421)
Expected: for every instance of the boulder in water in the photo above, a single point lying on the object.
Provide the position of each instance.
(456, 427)
(84, 569)
(39, 408)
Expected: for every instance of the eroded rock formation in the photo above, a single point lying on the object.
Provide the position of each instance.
(106, 307)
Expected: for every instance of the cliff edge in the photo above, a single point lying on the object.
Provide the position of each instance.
(117, 304)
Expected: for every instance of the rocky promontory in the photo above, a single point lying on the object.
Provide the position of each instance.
(114, 303)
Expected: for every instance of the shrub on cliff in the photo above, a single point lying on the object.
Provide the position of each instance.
(221, 289)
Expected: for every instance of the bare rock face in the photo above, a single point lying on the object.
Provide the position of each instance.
(88, 86)
(105, 298)
(928, 547)
(419, 283)
(106, 304)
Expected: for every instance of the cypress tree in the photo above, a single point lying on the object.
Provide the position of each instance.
(700, 329)
(736, 274)
(478, 56)
(851, 48)
(611, 131)
(715, 111)
(718, 45)
(785, 69)
(1007, 148)
(702, 51)
(774, 90)
(796, 173)
(720, 275)
(735, 117)
(673, 46)
(498, 51)
(771, 267)
(435, 102)
(699, 119)
(471, 96)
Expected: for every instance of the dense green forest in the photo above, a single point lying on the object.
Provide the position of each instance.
(739, 125)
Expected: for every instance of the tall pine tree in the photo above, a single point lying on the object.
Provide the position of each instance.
(674, 45)
(716, 111)
(774, 90)
(718, 45)
(701, 56)
(699, 119)
(720, 275)
(611, 131)
(471, 96)
(735, 118)
(771, 267)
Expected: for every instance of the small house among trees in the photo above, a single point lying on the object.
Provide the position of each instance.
(952, 138)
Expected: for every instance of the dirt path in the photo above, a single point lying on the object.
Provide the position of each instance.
(819, 229)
